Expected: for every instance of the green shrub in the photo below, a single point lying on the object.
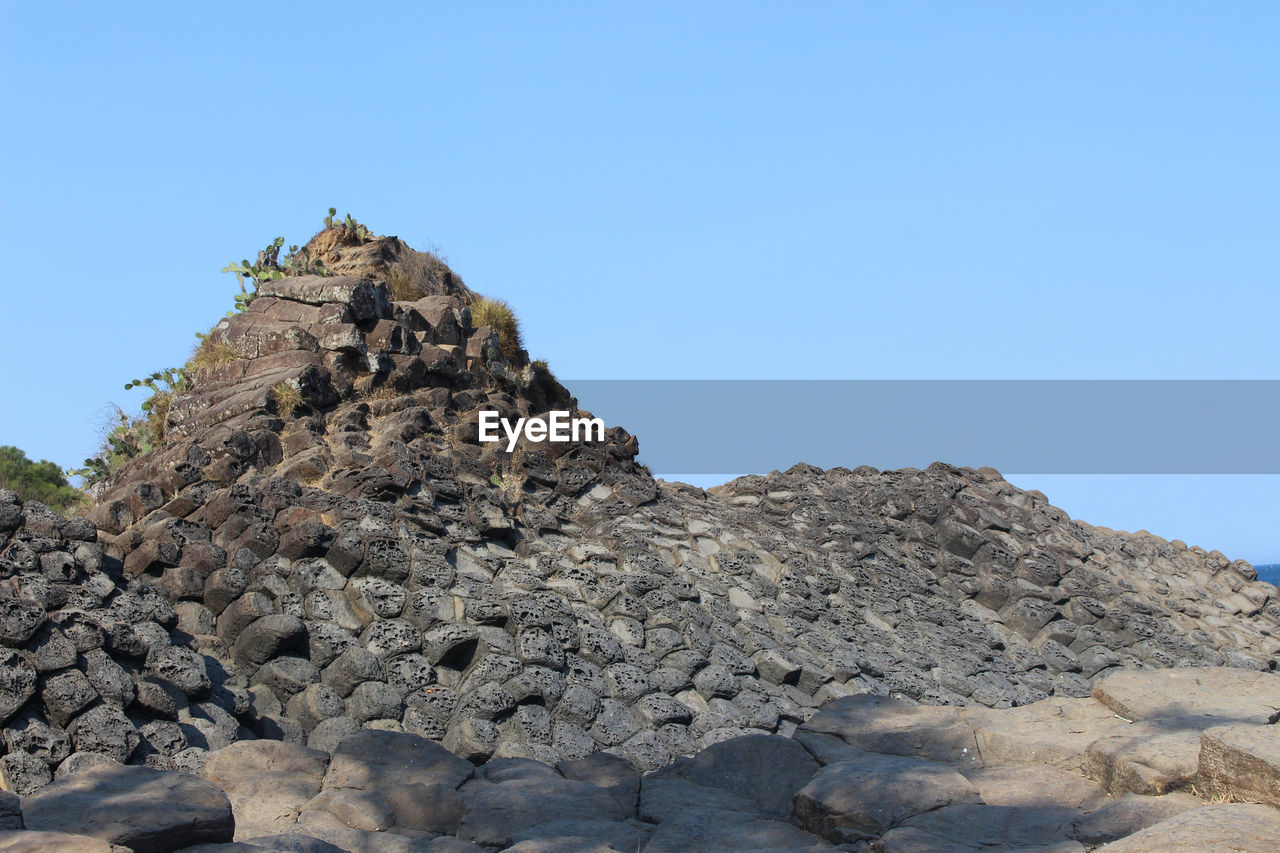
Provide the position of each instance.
(129, 438)
(40, 481)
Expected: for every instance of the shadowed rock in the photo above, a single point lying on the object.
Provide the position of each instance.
(148, 811)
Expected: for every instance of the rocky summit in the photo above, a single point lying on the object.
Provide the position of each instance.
(324, 614)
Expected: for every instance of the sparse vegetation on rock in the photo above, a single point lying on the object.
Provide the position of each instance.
(499, 316)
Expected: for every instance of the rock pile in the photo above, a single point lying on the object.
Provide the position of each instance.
(865, 773)
(356, 558)
(92, 672)
(324, 548)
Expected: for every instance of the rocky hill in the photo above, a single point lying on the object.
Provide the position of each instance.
(324, 546)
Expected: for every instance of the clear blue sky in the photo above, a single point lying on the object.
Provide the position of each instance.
(732, 190)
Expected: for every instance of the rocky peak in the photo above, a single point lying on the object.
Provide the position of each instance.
(328, 539)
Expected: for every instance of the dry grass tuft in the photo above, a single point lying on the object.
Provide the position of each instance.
(498, 316)
(402, 287)
(1219, 797)
(382, 392)
(210, 354)
(161, 402)
(288, 398)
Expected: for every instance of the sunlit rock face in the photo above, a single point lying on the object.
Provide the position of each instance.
(324, 546)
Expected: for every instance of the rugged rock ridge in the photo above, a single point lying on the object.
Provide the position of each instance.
(356, 559)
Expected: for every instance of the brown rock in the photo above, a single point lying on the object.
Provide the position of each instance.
(896, 727)
(854, 800)
(370, 760)
(1241, 762)
(55, 842)
(1055, 731)
(1144, 759)
(1129, 814)
(268, 783)
(1230, 828)
(1234, 695)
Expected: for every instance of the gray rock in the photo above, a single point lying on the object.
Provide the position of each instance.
(107, 730)
(55, 842)
(1241, 762)
(268, 637)
(167, 811)
(374, 759)
(19, 619)
(854, 800)
(23, 773)
(328, 733)
(10, 811)
(17, 682)
(1224, 828)
(353, 667)
(764, 770)
(510, 795)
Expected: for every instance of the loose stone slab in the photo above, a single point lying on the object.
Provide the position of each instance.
(29, 841)
(1144, 759)
(268, 782)
(1242, 762)
(149, 811)
(1234, 695)
(856, 800)
(892, 726)
(1228, 828)
(1055, 731)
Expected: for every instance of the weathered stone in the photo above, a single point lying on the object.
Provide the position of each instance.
(509, 795)
(764, 770)
(1129, 814)
(858, 799)
(1144, 759)
(107, 730)
(17, 682)
(975, 827)
(1053, 731)
(1234, 695)
(1241, 762)
(1226, 828)
(166, 811)
(268, 637)
(267, 783)
(31, 841)
(895, 727)
(370, 760)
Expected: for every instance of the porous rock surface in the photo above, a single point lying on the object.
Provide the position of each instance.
(360, 561)
(864, 773)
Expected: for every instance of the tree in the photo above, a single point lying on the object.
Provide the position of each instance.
(37, 481)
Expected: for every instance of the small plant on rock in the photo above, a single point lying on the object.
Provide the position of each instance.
(498, 315)
(288, 397)
(163, 385)
(130, 437)
(210, 354)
